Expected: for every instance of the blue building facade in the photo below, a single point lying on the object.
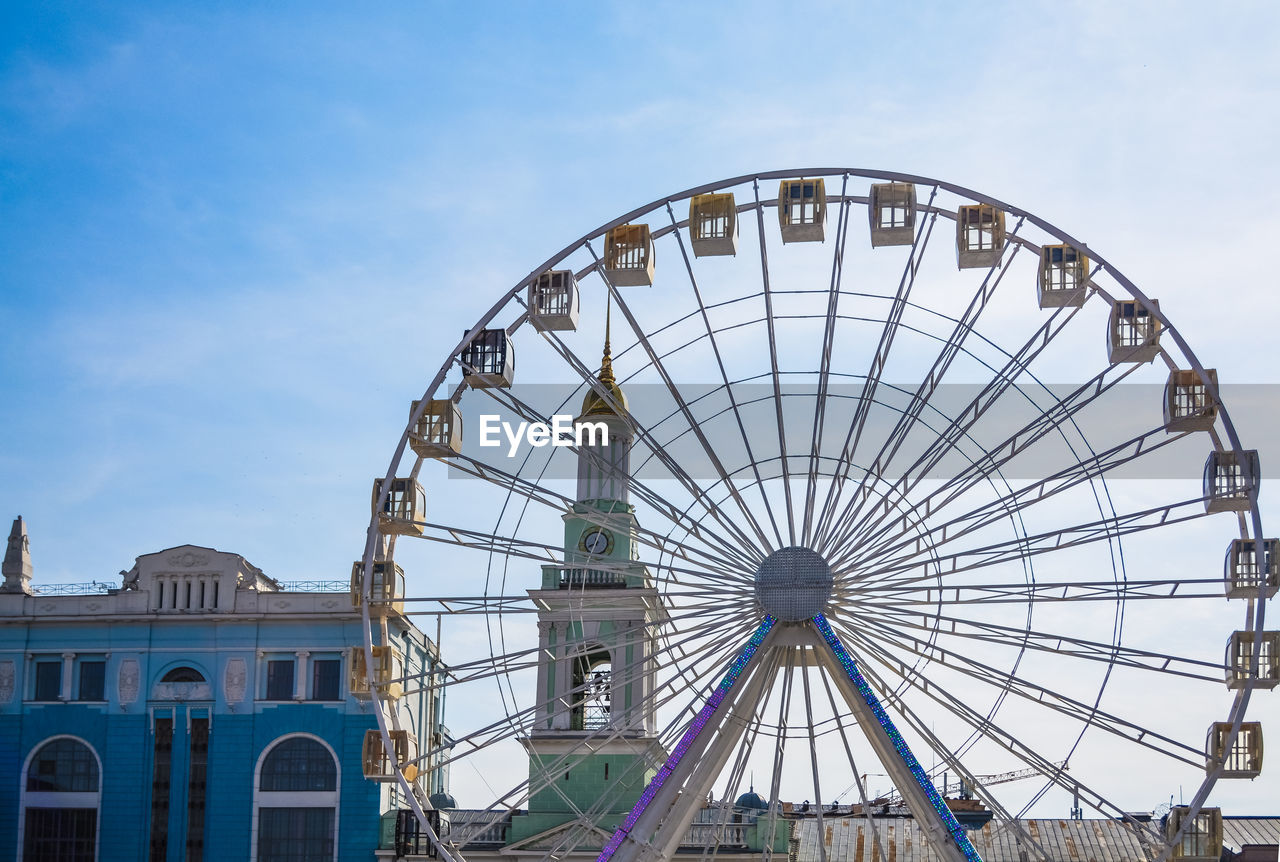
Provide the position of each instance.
(200, 711)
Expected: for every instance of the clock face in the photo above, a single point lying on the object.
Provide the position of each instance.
(597, 542)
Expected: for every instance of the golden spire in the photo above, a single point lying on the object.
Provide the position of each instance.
(606, 362)
(594, 404)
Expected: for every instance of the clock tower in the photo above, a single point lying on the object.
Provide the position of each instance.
(593, 745)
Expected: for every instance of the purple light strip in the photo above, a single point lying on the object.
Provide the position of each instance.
(690, 736)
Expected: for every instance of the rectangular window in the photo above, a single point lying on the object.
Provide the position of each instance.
(295, 834)
(65, 834)
(325, 676)
(196, 783)
(48, 680)
(280, 680)
(93, 675)
(160, 778)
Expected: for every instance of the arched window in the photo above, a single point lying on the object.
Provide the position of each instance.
(296, 802)
(183, 674)
(299, 763)
(60, 801)
(592, 690)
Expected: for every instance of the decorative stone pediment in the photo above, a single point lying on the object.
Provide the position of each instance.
(190, 578)
(181, 691)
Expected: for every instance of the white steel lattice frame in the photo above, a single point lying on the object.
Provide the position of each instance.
(859, 523)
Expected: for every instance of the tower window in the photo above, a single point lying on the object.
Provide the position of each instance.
(592, 691)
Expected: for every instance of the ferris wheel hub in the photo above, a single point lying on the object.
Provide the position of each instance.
(793, 584)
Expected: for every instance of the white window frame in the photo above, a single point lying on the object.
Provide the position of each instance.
(294, 798)
(48, 799)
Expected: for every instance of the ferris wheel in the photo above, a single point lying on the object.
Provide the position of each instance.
(770, 508)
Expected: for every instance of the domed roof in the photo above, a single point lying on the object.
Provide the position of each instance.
(751, 801)
(595, 404)
(442, 801)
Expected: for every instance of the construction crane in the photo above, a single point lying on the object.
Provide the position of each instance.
(1003, 777)
(984, 780)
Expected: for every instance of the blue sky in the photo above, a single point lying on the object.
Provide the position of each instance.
(236, 239)
(234, 236)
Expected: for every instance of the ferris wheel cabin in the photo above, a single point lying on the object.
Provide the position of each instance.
(892, 212)
(1189, 403)
(802, 210)
(1230, 482)
(628, 256)
(1063, 280)
(979, 236)
(1202, 839)
(1134, 332)
(381, 765)
(1240, 649)
(1245, 573)
(438, 431)
(388, 670)
(386, 588)
(1244, 757)
(713, 225)
(553, 301)
(489, 360)
(404, 511)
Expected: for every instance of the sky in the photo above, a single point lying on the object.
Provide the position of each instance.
(236, 239)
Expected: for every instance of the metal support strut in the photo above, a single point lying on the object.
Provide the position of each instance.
(903, 752)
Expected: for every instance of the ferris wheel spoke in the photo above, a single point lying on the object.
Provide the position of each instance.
(509, 547)
(773, 364)
(824, 370)
(710, 555)
(662, 543)
(691, 422)
(1056, 643)
(877, 837)
(742, 540)
(712, 838)
(676, 688)
(888, 332)
(656, 362)
(924, 393)
(747, 712)
(535, 492)
(1076, 710)
(952, 759)
(707, 619)
(509, 802)
(1022, 547)
(724, 376)
(813, 750)
(924, 595)
(653, 808)
(996, 457)
(786, 666)
(989, 730)
(997, 509)
(712, 613)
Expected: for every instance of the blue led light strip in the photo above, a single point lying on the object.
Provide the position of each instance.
(695, 727)
(900, 744)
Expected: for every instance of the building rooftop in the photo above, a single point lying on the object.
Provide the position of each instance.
(849, 839)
